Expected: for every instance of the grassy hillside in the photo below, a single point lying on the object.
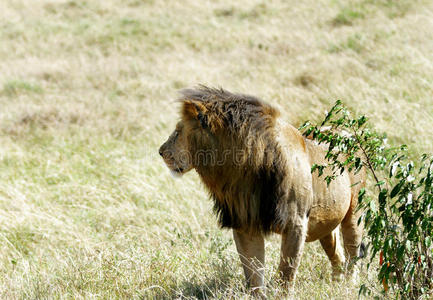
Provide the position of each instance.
(87, 208)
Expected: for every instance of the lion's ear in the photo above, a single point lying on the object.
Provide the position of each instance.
(203, 120)
(194, 110)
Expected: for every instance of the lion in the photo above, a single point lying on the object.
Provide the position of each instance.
(257, 169)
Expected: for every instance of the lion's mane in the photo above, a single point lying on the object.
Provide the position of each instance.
(233, 145)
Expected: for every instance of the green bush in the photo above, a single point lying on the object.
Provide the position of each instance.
(397, 209)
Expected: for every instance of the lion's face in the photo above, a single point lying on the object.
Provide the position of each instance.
(175, 152)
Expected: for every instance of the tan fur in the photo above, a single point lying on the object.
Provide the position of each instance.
(257, 170)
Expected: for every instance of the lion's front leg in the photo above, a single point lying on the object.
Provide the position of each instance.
(292, 244)
(251, 249)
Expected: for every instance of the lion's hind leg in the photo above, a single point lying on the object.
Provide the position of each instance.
(334, 250)
(352, 237)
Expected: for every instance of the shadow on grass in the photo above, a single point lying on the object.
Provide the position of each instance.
(208, 289)
(202, 290)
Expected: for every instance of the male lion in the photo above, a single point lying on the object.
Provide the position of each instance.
(257, 169)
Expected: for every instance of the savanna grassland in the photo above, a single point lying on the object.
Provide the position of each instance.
(87, 88)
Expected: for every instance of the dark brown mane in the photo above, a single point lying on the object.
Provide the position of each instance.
(232, 111)
(232, 141)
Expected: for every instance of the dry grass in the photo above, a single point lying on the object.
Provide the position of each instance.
(87, 209)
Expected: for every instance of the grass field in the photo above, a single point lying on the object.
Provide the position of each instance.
(87, 207)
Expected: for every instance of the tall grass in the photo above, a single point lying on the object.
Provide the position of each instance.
(87, 208)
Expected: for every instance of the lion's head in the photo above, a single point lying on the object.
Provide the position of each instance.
(220, 130)
(175, 151)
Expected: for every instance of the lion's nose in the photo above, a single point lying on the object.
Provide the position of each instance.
(160, 151)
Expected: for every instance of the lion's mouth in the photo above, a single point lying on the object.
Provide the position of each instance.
(176, 172)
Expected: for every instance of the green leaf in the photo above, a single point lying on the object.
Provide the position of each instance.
(382, 196)
(361, 195)
(408, 245)
(357, 162)
(427, 241)
(308, 131)
(305, 125)
(400, 252)
(361, 121)
(372, 205)
(396, 189)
